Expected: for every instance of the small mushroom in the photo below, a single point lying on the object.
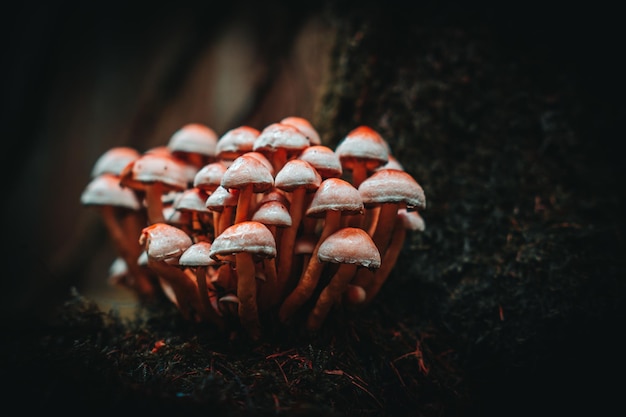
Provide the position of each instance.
(164, 244)
(197, 217)
(223, 201)
(197, 258)
(362, 151)
(208, 178)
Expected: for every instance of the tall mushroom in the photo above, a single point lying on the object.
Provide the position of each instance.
(246, 240)
(273, 214)
(351, 248)
(296, 179)
(333, 198)
(249, 176)
(390, 190)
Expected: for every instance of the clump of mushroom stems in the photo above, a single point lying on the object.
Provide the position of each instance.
(304, 292)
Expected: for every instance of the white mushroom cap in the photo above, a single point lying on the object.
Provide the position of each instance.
(164, 242)
(412, 220)
(274, 194)
(246, 170)
(297, 174)
(193, 138)
(197, 255)
(248, 236)
(273, 213)
(281, 136)
(323, 159)
(305, 127)
(236, 142)
(114, 160)
(192, 199)
(335, 194)
(155, 167)
(105, 190)
(392, 163)
(209, 177)
(392, 186)
(221, 198)
(365, 144)
(350, 245)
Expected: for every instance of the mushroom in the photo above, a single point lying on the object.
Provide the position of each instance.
(208, 178)
(351, 248)
(164, 244)
(192, 205)
(303, 126)
(223, 201)
(235, 143)
(324, 160)
(362, 151)
(114, 160)
(155, 174)
(194, 143)
(246, 240)
(197, 258)
(333, 198)
(248, 175)
(391, 190)
(273, 214)
(115, 204)
(280, 142)
(296, 179)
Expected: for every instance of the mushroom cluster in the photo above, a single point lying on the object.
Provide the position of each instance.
(232, 228)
